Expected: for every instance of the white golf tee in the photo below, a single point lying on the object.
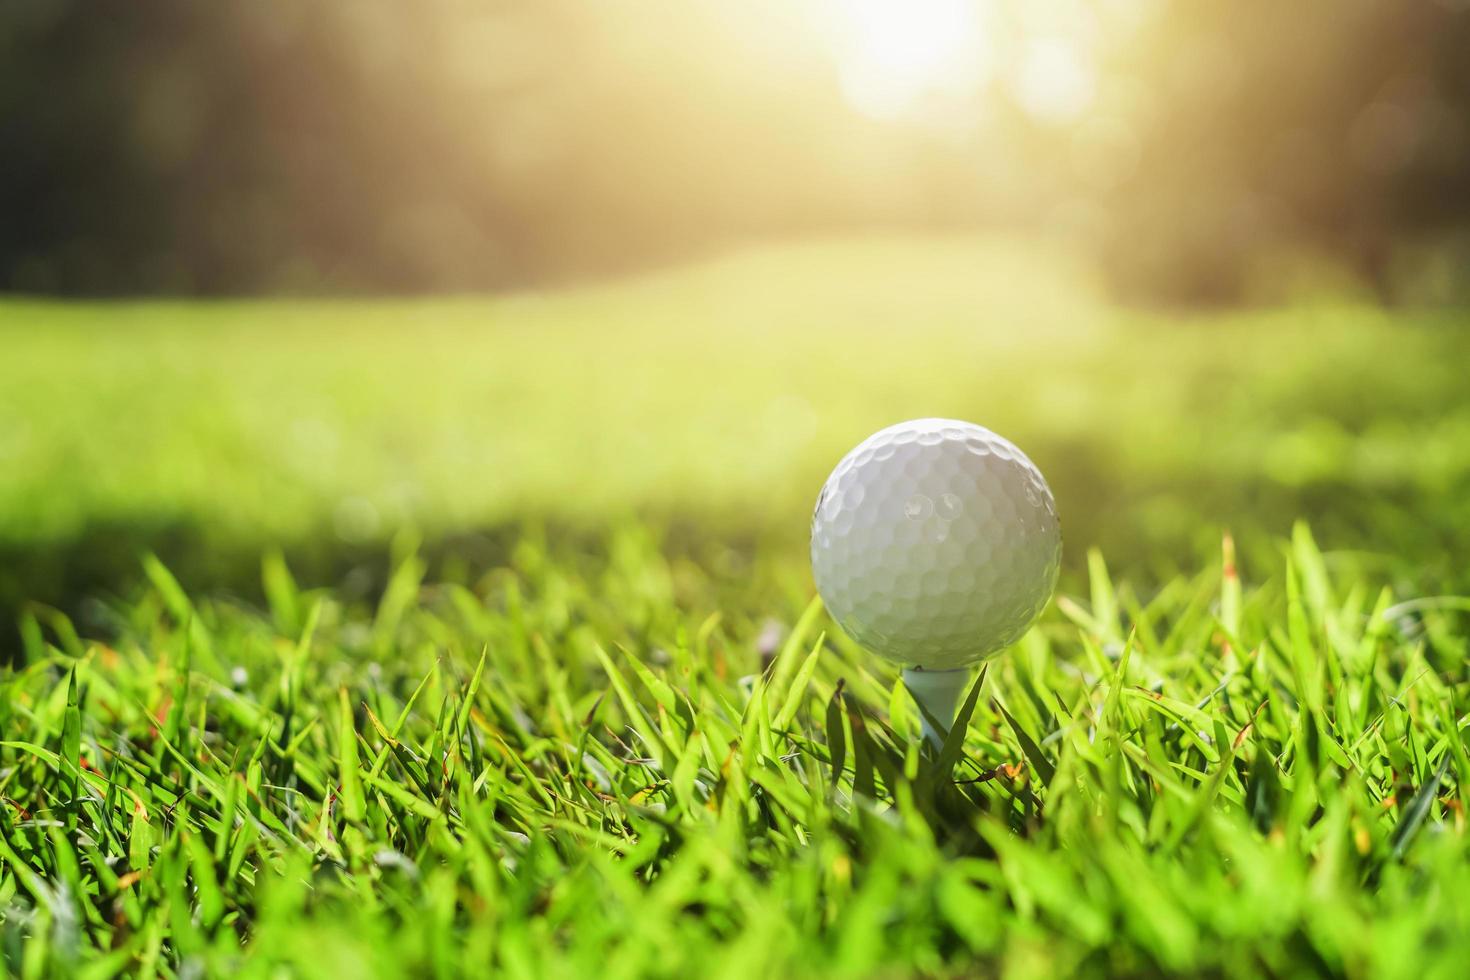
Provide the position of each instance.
(938, 693)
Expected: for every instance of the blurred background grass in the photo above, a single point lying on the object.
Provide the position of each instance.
(709, 402)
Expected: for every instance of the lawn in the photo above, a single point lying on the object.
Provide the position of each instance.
(428, 637)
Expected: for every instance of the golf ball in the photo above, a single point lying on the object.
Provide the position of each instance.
(935, 543)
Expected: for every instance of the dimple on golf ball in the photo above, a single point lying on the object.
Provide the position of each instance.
(935, 543)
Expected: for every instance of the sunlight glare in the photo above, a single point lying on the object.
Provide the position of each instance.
(893, 54)
(1055, 83)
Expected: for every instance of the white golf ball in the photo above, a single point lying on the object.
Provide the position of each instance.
(935, 543)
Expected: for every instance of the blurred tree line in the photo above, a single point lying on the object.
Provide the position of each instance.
(187, 147)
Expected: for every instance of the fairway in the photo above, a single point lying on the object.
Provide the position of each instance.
(716, 395)
(468, 636)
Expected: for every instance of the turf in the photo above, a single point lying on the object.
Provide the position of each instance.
(574, 767)
(433, 638)
(718, 397)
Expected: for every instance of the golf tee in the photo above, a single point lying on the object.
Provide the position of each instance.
(937, 693)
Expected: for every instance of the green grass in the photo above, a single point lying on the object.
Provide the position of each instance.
(574, 767)
(466, 636)
(717, 396)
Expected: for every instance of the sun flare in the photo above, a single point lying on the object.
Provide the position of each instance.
(892, 54)
(933, 59)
